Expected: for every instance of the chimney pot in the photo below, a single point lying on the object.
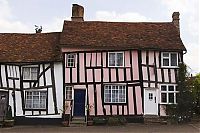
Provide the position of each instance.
(175, 20)
(77, 13)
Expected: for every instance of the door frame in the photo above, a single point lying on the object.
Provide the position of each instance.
(85, 99)
(156, 93)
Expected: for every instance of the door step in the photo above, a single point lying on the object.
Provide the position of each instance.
(78, 122)
(154, 119)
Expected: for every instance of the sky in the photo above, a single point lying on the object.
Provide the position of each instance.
(20, 16)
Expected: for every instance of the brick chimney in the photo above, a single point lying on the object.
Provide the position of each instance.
(77, 13)
(175, 20)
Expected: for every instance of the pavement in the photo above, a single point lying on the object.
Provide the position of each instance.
(129, 128)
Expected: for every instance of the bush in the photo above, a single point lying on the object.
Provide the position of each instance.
(115, 121)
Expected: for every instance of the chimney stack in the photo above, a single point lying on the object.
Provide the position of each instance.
(175, 20)
(77, 13)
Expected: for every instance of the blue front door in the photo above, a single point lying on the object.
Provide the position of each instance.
(79, 102)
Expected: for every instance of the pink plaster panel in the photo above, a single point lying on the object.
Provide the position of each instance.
(104, 59)
(138, 100)
(93, 59)
(173, 80)
(121, 74)
(159, 75)
(89, 75)
(157, 59)
(127, 59)
(88, 58)
(113, 75)
(130, 100)
(120, 110)
(135, 65)
(97, 75)
(125, 110)
(128, 74)
(151, 58)
(99, 100)
(67, 75)
(152, 74)
(107, 107)
(82, 70)
(144, 72)
(162, 110)
(152, 85)
(74, 75)
(98, 59)
(166, 77)
(145, 84)
(91, 98)
(114, 109)
(143, 57)
(105, 75)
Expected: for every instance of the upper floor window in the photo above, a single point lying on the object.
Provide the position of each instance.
(115, 94)
(169, 59)
(116, 59)
(30, 73)
(71, 60)
(36, 99)
(168, 94)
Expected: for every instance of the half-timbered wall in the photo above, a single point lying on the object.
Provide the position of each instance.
(92, 72)
(49, 79)
(142, 69)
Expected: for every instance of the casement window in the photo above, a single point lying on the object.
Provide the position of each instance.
(168, 94)
(169, 59)
(70, 60)
(115, 59)
(30, 73)
(68, 92)
(36, 99)
(115, 93)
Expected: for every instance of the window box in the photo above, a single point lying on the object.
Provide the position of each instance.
(169, 59)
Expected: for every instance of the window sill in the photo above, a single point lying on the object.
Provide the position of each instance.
(169, 67)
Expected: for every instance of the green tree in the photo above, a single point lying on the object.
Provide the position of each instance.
(196, 94)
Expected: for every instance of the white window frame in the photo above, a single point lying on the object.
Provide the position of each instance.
(66, 93)
(30, 68)
(167, 93)
(69, 62)
(169, 58)
(115, 59)
(32, 99)
(110, 102)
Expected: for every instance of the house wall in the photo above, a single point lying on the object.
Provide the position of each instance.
(142, 69)
(49, 79)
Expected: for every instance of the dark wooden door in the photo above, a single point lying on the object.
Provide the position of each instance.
(79, 102)
(3, 104)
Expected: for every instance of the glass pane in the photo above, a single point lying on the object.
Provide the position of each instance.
(165, 62)
(111, 59)
(165, 54)
(26, 73)
(119, 59)
(163, 97)
(171, 88)
(174, 59)
(171, 97)
(163, 88)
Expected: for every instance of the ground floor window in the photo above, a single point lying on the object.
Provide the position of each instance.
(115, 93)
(36, 99)
(168, 94)
(68, 92)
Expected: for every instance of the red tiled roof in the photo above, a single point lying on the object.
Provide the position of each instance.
(15, 47)
(121, 35)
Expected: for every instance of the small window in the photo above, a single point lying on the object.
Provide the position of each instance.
(168, 94)
(115, 94)
(36, 99)
(68, 93)
(150, 96)
(169, 59)
(30, 73)
(70, 60)
(116, 59)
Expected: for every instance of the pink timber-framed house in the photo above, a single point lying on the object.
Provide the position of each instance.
(91, 69)
(120, 68)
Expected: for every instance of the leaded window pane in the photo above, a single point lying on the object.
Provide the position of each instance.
(165, 62)
(163, 97)
(111, 59)
(119, 59)
(174, 59)
(171, 97)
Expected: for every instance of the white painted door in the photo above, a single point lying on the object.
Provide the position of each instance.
(150, 102)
